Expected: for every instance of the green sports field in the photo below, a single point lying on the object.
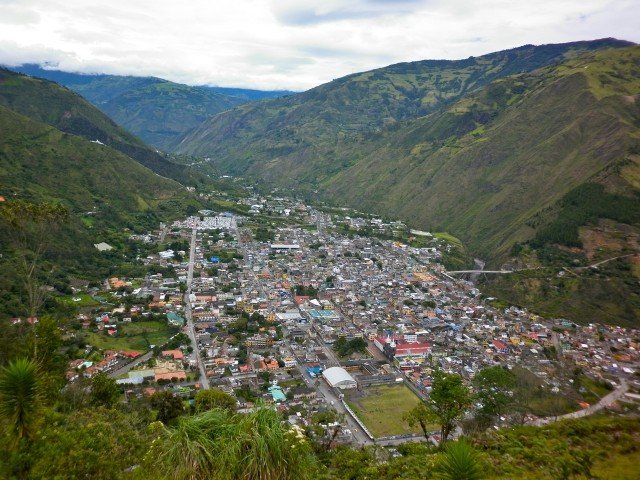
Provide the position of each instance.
(381, 409)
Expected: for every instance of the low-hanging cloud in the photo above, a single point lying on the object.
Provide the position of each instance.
(273, 44)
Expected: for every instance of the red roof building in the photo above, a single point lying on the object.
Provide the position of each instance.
(175, 354)
(500, 347)
(398, 347)
(176, 376)
(130, 354)
(301, 299)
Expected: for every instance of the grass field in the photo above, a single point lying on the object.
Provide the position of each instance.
(79, 300)
(133, 336)
(381, 409)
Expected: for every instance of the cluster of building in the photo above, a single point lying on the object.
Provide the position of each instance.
(266, 314)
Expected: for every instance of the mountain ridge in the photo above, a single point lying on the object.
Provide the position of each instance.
(357, 106)
(156, 110)
(55, 105)
(343, 169)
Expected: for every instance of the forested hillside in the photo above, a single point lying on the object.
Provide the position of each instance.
(157, 111)
(315, 125)
(50, 103)
(101, 189)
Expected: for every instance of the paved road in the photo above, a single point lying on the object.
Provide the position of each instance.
(359, 435)
(483, 271)
(204, 381)
(604, 402)
(393, 442)
(602, 262)
(130, 365)
(504, 272)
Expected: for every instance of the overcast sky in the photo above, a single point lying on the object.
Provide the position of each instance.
(293, 44)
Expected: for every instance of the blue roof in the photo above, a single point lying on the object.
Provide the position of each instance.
(314, 371)
(175, 318)
(277, 393)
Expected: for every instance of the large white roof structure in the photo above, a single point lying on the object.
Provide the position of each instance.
(338, 377)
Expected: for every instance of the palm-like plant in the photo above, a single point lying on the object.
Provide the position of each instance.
(269, 449)
(19, 398)
(218, 445)
(187, 451)
(460, 461)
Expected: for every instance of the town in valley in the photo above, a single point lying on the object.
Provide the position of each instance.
(336, 318)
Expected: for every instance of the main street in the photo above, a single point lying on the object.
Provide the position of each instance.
(204, 381)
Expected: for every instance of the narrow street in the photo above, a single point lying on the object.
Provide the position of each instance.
(204, 381)
(603, 403)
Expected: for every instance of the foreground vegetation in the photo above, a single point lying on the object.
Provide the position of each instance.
(86, 431)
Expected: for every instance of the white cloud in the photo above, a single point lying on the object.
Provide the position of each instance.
(288, 43)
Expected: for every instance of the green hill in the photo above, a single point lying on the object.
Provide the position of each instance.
(158, 111)
(312, 127)
(45, 164)
(486, 167)
(50, 103)
(543, 166)
(163, 111)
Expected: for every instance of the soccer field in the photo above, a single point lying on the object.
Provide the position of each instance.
(381, 409)
(137, 336)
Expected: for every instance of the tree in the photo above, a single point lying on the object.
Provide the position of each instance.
(51, 363)
(19, 401)
(104, 390)
(168, 406)
(419, 415)
(214, 398)
(31, 227)
(459, 461)
(448, 401)
(345, 348)
(494, 390)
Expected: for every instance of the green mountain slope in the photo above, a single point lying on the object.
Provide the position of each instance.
(486, 167)
(543, 166)
(156, 110)
(313, 125)
(50, 103)
(161, 112)
(482, 168)
(43, 163)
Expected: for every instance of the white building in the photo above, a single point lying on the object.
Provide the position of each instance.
(338, 377)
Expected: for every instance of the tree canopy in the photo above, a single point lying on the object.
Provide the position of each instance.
(214, 398)
(494, 391)
(448, 402)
